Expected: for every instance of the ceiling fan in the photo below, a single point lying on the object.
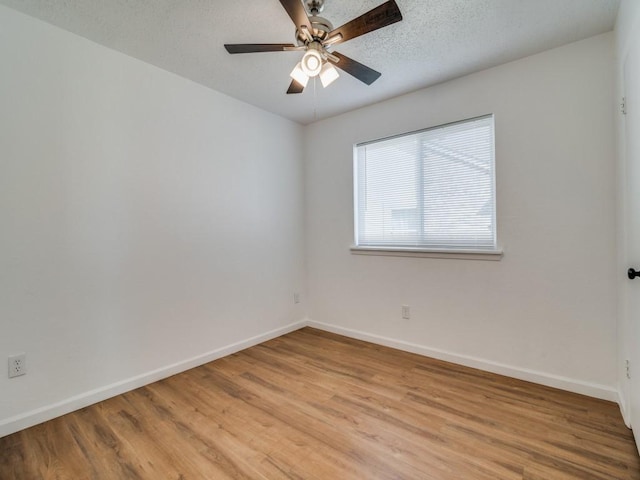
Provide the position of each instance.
(316, 36)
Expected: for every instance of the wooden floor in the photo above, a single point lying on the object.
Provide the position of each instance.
(313, 405)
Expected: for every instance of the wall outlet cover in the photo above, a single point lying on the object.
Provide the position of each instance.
(17, 365)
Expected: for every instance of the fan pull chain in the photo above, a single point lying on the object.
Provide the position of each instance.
(315, 100)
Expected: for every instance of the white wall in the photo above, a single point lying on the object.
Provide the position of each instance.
(146, 221)
(547, 310)
(627, 28)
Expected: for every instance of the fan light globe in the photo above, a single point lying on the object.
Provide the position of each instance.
(311, 63)
(299, 76)
(328, 74)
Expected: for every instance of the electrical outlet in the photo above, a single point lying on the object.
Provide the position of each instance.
(406, 312)
(296, 297)
(17, 365)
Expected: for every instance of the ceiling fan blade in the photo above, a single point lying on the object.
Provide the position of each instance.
(257, 47)
(356, 69)
(381, 16)
(295, 87)
(297, 12)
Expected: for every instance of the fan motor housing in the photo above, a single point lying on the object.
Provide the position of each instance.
(321, 28)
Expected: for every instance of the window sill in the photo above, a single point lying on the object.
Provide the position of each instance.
(429, 253)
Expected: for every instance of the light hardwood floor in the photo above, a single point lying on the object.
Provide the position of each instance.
(313, 405)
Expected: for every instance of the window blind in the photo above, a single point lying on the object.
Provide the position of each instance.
(432, 189)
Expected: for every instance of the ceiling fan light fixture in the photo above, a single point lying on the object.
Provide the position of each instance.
(311, 63)
(315, 36)
(328, 74)
(299, 76)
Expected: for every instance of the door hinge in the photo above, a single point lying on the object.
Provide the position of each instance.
(627, 368)
(623, 106)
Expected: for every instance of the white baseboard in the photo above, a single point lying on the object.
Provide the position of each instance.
(34, 417)
(623, 408)
(577, 386)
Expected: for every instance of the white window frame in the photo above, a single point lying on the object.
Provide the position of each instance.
(485, 253)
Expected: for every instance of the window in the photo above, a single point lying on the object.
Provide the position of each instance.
(428, 190)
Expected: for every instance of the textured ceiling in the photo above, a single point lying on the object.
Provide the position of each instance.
(437, 40)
